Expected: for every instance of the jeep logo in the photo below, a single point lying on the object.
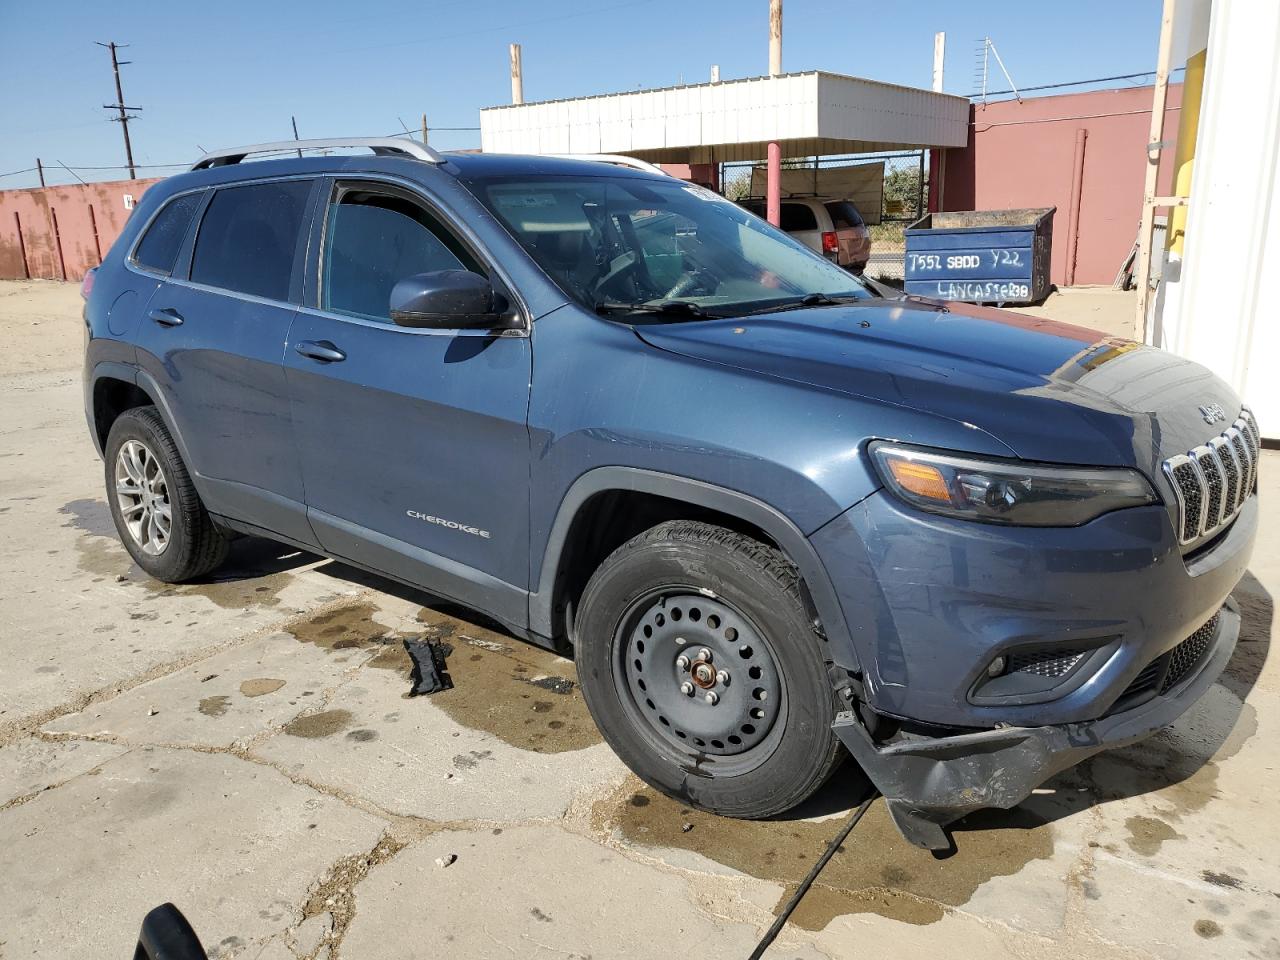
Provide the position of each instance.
(451, 524)
(1212, 413)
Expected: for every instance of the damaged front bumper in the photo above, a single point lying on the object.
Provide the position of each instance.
(928, 783)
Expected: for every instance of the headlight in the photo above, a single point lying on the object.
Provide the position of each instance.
(1005, 491)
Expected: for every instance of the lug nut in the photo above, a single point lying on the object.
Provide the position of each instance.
(682, 662)
(712, 697)
(686, 688)
(704, 654)
(722, 677)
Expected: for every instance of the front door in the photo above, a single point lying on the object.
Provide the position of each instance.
(414, 442)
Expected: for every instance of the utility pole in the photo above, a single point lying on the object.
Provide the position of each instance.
(424, 128)
(517, 75)
(124, 115)
(939, 58)
(773, 167)
(40, 170)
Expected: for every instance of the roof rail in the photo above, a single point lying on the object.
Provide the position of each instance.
(381, 146)
(617, 159)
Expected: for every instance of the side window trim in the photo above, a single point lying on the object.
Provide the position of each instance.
(182, 265)
(131, 260)
(331, 188)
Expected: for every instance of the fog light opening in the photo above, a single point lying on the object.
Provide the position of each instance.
(996, 667)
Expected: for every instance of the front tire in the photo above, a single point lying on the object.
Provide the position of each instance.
(704, 673)
(154, 504)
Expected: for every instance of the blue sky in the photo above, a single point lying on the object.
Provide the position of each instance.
(231, 72)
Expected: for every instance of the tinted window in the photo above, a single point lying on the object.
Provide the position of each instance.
(844, 215)
(373, 240)
(247, 238)
(796, 216)
(160, 244)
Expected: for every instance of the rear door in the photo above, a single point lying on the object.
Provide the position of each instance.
(212, 347)
(851, 233)
(414, 442)
(799, 220)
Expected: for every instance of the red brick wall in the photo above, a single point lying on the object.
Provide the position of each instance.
(1023, 154)
(64, 230)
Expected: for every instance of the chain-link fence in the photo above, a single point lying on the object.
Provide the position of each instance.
(903, 199)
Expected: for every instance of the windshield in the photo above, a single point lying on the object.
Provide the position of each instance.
(613, 243)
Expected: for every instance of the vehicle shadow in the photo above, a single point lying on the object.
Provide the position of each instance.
(252, 557)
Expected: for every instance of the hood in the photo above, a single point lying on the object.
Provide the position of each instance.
(1050, 391)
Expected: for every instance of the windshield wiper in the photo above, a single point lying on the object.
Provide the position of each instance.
(682, 308)
(810, 300)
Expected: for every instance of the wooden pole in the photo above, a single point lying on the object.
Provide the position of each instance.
(773, 179)
(517, 75)
(1158, 100)
(424, 128)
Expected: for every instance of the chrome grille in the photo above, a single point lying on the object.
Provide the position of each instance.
(1212, 482)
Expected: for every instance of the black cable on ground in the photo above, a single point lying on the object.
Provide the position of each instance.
(807, 882)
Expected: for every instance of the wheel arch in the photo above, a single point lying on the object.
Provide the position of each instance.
(118, 387)
(556, 579)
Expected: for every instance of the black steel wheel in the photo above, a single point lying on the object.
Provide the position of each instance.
(702, 669)
(701, 675)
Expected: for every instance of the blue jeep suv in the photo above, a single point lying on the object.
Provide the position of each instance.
(773, 513)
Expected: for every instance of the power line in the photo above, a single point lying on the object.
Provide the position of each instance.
(1072, 83)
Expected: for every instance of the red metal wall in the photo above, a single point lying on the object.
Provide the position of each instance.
(1024, 155)
(58, 233)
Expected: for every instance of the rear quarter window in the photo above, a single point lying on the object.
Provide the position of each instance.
(844, 215)
(248, 238)
(797, 216)
(158, 249)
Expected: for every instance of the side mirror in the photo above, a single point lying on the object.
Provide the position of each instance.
(447, 300)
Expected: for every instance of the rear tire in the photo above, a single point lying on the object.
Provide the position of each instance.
(703, 671)
(154, 504)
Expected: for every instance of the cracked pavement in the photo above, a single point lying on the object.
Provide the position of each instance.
(244, 748)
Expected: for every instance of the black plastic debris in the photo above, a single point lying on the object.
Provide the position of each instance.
(430, 671)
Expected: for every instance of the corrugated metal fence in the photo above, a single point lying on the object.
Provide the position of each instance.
(60, 233)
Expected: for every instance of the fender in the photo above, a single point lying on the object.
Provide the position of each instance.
(785, 533)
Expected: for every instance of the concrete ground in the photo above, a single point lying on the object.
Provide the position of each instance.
(244, 748)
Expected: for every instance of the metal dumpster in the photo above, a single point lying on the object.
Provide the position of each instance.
(983, 256)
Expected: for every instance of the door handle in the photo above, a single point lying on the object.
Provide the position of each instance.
(167, 317)
(321, 350)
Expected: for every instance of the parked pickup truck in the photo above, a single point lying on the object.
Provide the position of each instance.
(770, 513)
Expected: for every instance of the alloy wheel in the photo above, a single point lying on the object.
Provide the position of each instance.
(142, 495)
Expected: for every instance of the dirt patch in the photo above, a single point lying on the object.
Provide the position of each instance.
(875, 871)
(260, 687)
(214, 706)
(335, 892)
(1147, 834)
(1207, 929)
(525, 696)
(313, 726)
